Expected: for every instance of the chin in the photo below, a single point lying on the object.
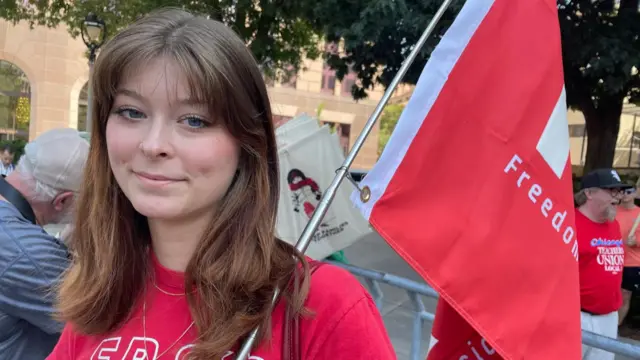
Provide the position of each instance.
(166, 208)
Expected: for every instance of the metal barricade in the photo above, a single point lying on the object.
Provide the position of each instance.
(415, 290)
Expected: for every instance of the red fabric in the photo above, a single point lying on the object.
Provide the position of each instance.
(304, 182)
(460, 340)
(346, 321)
(309, 209)
(601, 263)
(475, 206)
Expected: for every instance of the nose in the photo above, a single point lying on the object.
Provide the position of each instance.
(157, 142)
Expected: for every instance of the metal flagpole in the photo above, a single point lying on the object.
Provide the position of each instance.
(342, 172)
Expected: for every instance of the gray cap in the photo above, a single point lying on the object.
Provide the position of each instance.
(57, 158)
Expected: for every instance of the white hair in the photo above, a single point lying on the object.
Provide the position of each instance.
(37, 190)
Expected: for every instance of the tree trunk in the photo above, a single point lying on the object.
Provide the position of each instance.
(603, 124)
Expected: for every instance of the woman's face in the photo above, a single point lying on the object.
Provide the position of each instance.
(629, 195)
(167, 154)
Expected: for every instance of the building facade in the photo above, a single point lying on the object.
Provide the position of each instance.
(43, 85)
(42, 72)
(627, 155)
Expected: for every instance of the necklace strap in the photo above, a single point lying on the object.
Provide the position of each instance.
(164, 291)
(144, 328)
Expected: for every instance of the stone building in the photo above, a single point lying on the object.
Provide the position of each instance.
(44, 72)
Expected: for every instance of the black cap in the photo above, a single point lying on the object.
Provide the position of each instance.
(603, 179)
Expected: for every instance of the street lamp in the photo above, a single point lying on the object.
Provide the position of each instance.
(94, 32)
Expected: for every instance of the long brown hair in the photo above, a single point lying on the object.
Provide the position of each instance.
(239, 261)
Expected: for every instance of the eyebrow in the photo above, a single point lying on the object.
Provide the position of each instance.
(134, 94)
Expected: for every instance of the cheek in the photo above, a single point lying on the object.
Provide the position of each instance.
(218, 162)
(121, 144)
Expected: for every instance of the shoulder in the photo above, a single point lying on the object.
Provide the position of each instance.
(335, 295)
(333, 286)
(23, 244)
(344, 318)
(614, 227)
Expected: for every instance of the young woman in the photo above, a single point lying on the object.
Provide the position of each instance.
(175, 255)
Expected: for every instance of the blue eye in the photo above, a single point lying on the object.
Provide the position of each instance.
(131, 113)
(195, 122)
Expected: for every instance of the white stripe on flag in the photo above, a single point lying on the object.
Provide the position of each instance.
(554, 141)
(427, 90)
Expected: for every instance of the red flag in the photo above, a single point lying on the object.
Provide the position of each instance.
(474, 187)
(459, 339)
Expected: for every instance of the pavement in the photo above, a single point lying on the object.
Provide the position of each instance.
(373, 253)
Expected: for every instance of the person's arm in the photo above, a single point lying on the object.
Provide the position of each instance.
(631, 239)
(30, 271)
(359, 334)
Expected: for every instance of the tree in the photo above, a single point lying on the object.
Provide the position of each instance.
(388, 120)
(601, 54)
(277, 32)
(600, 39)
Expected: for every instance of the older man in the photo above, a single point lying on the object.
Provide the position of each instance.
(601, 256)
(40, 191)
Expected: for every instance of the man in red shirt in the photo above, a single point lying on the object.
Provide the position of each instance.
(601, 256)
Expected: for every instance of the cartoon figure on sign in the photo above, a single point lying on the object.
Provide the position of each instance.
(306, 193)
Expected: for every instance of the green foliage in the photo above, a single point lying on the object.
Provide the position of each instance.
(600, 43)
(319, 109)
(600, 40)
(388, 120)
(600, 49)
(378, 35)
(277, 32)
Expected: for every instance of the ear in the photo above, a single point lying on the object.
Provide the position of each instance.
(63, 201)
(588, 193)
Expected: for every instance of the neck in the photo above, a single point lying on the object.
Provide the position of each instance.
(14, 180)
(584, 209)
(628, 205)
(175, 242)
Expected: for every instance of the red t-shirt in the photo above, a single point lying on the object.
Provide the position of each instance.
(346, 325)
(601, 260)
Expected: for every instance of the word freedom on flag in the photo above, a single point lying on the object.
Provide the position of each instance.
(474, 188)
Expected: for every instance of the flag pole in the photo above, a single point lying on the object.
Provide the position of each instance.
(342, 172)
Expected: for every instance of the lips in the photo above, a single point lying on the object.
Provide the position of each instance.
(150, 179)
(155, 177)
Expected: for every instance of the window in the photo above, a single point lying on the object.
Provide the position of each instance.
(577, 130)
(290, 78)
(347, 83)
(15, 102)
(328, 83)
(291, 82)
(82, 108)
(268, 81)
(343, 131)
(280, 120)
